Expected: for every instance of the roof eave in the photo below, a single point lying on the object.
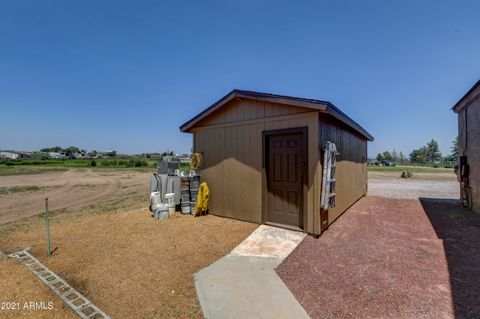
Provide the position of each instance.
(318, 105)
(185, 127)
(460, 105)
(339, 115)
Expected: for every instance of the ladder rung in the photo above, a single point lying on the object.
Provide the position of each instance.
(332, 194)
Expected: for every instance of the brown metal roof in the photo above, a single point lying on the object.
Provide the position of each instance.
(467, 98)
(319, 105)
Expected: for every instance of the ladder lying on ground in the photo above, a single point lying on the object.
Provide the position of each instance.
(327, 198)
(79, 304)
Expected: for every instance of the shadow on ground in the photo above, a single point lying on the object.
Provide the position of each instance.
(459, 229)
(390, 258)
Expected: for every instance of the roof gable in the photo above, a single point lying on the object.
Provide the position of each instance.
(318, 105)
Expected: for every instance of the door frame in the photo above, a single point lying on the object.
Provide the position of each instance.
(303, 130)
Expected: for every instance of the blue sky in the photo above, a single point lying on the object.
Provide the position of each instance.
(125, 74)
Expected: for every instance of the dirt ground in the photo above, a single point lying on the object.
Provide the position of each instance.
(430, 185)
(391, 258)
(24, 196)
(127, 263)
(19, 285)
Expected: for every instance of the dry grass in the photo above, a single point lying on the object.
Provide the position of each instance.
(22, 189)
(73, 191)
(18, 284)
(128, 264)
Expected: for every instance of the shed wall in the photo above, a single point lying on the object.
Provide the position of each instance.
(351, 173)
(469, 145)
(239, 110)
(230, 141)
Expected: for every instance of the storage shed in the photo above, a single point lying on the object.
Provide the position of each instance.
(468, 110)
(263, 157)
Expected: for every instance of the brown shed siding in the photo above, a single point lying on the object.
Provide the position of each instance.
(351, 171)
(240, 110)
(231, 147)
(230, 136)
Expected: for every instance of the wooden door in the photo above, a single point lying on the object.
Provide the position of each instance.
(285, 162)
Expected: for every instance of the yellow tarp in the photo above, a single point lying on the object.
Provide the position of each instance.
(202, 200)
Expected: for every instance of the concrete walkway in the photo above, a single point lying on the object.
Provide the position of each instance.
(244, 284)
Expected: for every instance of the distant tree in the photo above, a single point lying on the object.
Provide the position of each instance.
(387, 156)
(401, 158)
(423, 155)
(40, 156)
(433, 151)
(56, 149)
(419, 155)
(71, 150)
(394, 156)
(454, 150)
(112, 153)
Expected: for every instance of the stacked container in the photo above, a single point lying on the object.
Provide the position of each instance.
(189, 191)
(185, 195)
(194, 185)
(171, 204)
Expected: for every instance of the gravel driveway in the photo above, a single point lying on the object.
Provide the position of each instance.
(390, 258)
(422, 185)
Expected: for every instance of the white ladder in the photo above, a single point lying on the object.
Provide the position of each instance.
(82, 307)
(327, 199)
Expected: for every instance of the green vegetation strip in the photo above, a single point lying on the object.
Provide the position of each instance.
(21, 189)
(131, 162)
(27, 170)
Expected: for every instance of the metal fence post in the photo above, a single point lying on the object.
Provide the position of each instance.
(47, 223)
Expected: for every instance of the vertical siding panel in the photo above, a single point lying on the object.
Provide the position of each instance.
(250, 110)
(259, 165)
(219, 168)
(274, 109)
(311, 168)
(250, 149)
(218, 137)
(242, 111)
(351, 172)
(220, 118)
(279, 110)
(268, 109)
(233, 160)
(230, 112)
(228, 156)
(261, 109)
